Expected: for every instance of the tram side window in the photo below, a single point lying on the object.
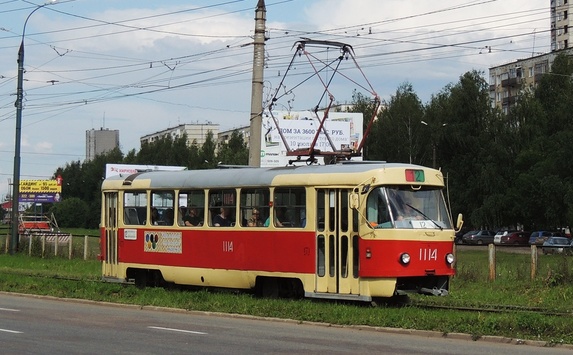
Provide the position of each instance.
(320, 209)
(193, 211)
(254, 207)
(134, 207)
(289, 207)
(162, 208)
(222, 207)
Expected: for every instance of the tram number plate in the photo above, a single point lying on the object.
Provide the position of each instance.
(427, 254)
(227, 246)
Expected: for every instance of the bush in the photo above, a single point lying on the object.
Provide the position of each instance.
(71, 213)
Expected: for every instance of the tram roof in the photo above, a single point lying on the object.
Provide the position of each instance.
(342, 174)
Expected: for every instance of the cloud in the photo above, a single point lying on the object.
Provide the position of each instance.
(195, 66)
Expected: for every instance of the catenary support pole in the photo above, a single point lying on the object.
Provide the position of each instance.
(257, 86)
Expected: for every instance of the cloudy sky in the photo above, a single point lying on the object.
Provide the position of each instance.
(143, 66)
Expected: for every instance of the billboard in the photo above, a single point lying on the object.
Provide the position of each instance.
(128, 169)
(40, 191)
(299, 129)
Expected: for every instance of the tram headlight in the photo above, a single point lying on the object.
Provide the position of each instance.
(405, 258)
(450, 258)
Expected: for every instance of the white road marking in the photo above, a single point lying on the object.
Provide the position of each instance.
(10, 331)
(177, 330)
(9, 310)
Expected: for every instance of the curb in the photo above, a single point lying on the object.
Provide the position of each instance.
(403, 331)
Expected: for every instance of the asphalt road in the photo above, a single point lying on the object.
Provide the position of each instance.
(33, 325)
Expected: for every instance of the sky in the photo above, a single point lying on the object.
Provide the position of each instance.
(144, 66)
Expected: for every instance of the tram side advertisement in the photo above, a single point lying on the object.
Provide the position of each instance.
(299, 130)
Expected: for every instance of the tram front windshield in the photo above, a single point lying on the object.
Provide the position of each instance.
(405, 208)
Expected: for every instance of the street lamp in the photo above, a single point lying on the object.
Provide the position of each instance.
(432, 136)
(17, 141)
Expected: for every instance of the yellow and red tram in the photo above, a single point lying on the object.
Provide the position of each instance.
(354, 231)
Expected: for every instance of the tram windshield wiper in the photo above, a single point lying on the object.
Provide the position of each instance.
(423, 214)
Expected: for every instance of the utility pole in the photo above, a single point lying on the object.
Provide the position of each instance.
(257, 86)
(14, 237)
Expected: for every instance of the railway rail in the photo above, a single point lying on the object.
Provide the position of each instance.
(497, 309)
(490, 308)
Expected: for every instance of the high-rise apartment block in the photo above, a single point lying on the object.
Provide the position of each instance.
(560, 24)
(507, 81)
(100, 141)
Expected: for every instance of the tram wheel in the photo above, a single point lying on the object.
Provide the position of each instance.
(141, 279)
(267, 287)
(394, 301)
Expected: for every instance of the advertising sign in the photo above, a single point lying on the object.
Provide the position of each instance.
(41, 191)
(299, 130)
(128, 169)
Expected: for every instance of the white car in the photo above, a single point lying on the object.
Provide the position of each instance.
(497, 237)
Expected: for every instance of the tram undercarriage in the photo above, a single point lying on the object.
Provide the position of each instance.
(427, 285)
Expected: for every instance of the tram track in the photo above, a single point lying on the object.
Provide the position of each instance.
(502, 309)
(47, 276)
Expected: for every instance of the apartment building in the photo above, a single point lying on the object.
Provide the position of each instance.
(100, 141)
(195, 132)
(561, 23)
(508, 80)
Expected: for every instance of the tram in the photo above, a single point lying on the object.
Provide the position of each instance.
(350, 231)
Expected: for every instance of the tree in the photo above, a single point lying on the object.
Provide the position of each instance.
(464, 149)
(235, 151)
(72, 212)
(396, 129)
(554, 92)
(83, 181)
(362, 104)
(207, 152)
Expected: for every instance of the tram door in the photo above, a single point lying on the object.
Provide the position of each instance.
(337, 243)
(110, 230)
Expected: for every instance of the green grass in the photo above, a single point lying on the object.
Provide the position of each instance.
(550, 290)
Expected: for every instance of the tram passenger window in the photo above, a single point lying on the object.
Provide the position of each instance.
(321, 256)
(320, 209)
(355, 256)
(194, 200)
(254, 207)
(289, 207)
(344, 210)
(134, 208)
(344, 256)
(164, 203)
(222, 207)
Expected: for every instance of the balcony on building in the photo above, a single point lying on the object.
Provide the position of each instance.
(510, 100)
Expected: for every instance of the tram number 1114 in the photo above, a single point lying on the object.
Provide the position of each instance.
(427, 254)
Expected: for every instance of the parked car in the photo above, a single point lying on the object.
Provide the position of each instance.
(499, 234)
(460, 234)
(539, 237)
(557, 245)
(478, 237)
(514, 238)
